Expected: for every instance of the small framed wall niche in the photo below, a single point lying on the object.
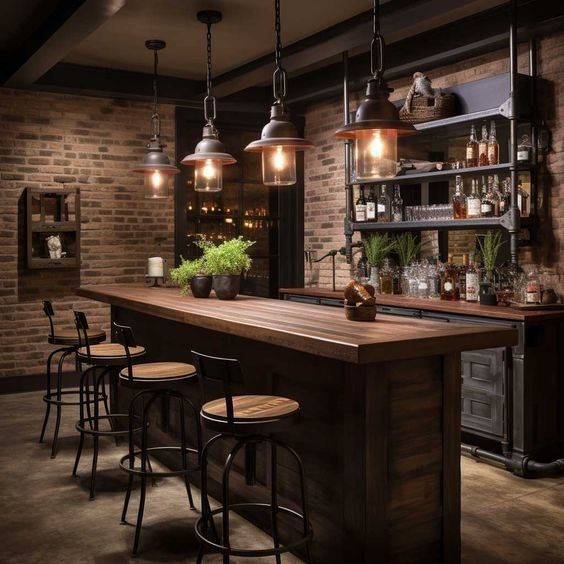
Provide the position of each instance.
(53, 228)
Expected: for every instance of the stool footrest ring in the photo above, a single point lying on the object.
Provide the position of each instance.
(48, 398)
(251, 553)
(125, 462)
(81, 426)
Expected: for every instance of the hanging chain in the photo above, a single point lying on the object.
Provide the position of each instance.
(279, 76)
(155, 118)
(209, 100)
(377, 45)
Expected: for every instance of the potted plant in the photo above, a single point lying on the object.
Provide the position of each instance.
(192, 274)
(407, 249)
(376, 248)
(226, 262)
(489, 245)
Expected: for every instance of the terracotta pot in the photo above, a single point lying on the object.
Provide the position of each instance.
(227, 286)
(201, 286)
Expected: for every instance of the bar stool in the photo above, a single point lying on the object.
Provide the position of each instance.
(154, 380)
(104, 357)
(68, 341)
(250, 419)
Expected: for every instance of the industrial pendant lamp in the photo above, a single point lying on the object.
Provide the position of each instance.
(156, 165)
(279, 140)
(377, 125)
(210, 155)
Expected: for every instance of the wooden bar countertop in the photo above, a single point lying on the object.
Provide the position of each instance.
(307, 328)
(458, 308)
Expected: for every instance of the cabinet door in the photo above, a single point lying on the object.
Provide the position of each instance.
(483, 376)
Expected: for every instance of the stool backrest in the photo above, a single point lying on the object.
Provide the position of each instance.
(213, 369)
(48, 309)
(82, 329)
(126, 338)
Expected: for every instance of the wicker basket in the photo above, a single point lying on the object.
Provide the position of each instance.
(427, 109)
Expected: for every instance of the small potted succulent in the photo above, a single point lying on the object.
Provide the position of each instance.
(193, 275)
(226, 263)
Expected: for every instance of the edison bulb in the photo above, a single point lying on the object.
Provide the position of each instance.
(208, 176)
(375, 155)
(156, 184)
(279, 166)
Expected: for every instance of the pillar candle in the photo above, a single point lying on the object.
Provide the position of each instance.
(156, 267)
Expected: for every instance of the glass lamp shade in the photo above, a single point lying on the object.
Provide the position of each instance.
(157, 184)
(208, 176)
(375, 154)
(278, 166)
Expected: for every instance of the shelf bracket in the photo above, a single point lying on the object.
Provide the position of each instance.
(505, 108)
(511, 220)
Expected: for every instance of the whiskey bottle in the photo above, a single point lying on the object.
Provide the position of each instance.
(449, 283)
(473, 202)
(486, 207)
(462, 276)
(397, 205)
(472, 282)
(493, 146)
(384, 206)
(483, 147)
(472, 149)
(360, 207)
(493, 194)
(459, 200)
(505, 197)
(371, 206)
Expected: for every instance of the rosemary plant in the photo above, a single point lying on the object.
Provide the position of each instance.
(489, 245)
(407, 248)
(377, 246)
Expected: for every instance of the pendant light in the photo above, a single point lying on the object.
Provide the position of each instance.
(210, 155)
(156, 165)
(377, 124)
(279, 140)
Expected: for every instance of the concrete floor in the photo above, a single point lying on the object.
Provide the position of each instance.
(46, 516)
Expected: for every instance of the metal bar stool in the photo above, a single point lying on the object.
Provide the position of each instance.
(104, 358)
(250, 419)
(154, 379)
(68, 341)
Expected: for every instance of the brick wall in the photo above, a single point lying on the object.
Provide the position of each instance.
(324, 168)
(90, 143)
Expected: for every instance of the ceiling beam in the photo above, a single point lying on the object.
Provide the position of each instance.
(399, 19)
(66, 26)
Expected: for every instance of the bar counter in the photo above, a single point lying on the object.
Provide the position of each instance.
(380, 410)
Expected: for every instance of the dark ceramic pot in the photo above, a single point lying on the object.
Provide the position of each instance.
(487, 297)
(201, 286)
(227, 287)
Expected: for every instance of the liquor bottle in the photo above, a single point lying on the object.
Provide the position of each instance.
(505, 197)
(472, 149)
(493, 146)
(472, 282)
(486, 206)
(360, 207)
(449, 283)
(522, 200)
(459, 200)
(493, 194)
(473, 202)
(384, 206)
(371, 206)
(462, 276)
(397, 205)
(483, 147)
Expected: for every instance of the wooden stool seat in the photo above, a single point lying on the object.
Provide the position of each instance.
(70, 337)
(159, 371)
(252, 409)
(109, 352)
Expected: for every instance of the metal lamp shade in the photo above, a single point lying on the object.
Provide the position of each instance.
(278, 144)
(208, 160)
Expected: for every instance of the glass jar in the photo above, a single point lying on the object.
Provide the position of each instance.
(524, 150)
(386, 277)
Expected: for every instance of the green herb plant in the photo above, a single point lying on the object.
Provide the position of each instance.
(407, 248)
(489, 245)
(377, 247)
(229, 258)
(183, 274)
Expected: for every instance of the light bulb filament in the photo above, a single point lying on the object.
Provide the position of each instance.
(279, 159)
(156, 179)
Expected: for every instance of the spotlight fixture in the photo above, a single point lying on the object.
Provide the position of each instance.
(156, 165)
(279, 140)
(209, 156)
(377, 124)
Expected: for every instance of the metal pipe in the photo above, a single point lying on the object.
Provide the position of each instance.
(349, 197)
(515, 215)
